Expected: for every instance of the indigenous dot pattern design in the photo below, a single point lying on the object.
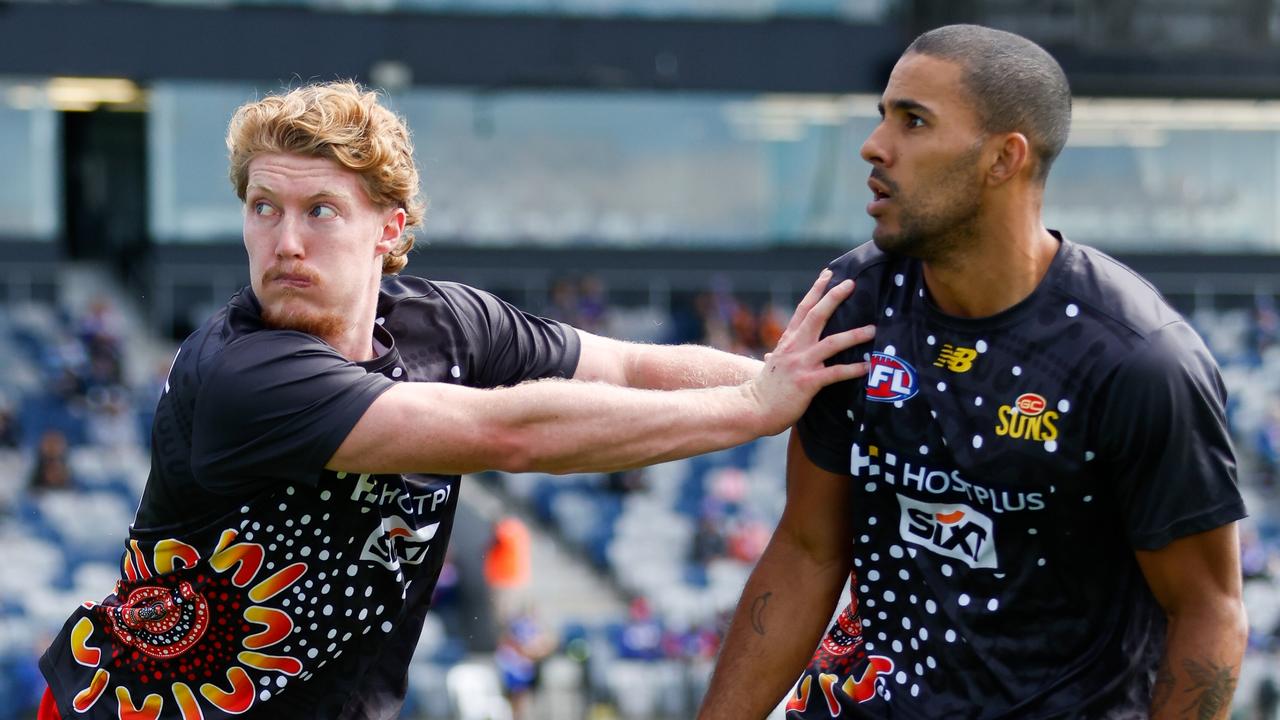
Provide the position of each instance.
(214, 629)
(962, 491)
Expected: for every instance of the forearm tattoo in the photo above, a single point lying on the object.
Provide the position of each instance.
(1212, 687)
(757, 612)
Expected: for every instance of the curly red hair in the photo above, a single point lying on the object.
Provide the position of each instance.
(342, 122)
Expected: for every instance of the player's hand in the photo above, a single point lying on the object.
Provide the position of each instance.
(796, 370)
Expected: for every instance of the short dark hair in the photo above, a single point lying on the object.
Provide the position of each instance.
(1016, 85)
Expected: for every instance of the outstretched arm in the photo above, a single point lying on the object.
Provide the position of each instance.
(660, 367)
(569, 426)
(1197, 581)
(789, 597)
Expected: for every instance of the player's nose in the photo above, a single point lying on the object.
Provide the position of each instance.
(874, 148)
(289, 241)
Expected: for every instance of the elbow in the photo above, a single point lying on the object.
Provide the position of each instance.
(527, 450)
(1237, 622)
(516, 463)
(1224, 614)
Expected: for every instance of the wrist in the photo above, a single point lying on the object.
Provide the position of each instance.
(753, 416)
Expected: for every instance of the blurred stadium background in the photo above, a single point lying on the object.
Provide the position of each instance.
(662, 170)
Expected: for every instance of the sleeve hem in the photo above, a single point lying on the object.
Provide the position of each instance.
(1219, 516)
(823, 456)
(573, 352)
(350, 418)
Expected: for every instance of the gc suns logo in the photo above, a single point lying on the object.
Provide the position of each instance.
(890, 379)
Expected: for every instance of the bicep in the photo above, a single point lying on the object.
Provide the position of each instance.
(1196, 569)
(602, 359)
(660, 367)
(816, 518)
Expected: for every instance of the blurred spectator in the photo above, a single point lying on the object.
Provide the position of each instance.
(10, 430)
(698, 642)
(729, 486)
(773, 320)
(563, 301)
(717, 309)
(641, 636)
(52, 470)
(708, 542)
(508, 563)
(522, 647)
(730, 324)
(582, 302)
(67, 364)
(1268, 446)
(593, 304)
(100, 331)
(748, 539)
(111, 422)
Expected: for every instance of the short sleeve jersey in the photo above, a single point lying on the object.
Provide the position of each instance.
(253, 579)
(1004, 470)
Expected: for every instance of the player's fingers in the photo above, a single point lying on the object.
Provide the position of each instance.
(817, 318)
(833, 344)
(810, 299)
(840, 373)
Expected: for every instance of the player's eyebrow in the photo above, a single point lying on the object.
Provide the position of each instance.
(324, 194)
(905, 105)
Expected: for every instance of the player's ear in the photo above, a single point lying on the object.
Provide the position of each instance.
(1011, 155)
(392, 230)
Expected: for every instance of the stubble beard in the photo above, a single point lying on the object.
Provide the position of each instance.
(936, 234)
(289, 312)
(936, 231)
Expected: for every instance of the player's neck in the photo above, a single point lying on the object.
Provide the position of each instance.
(355, 340)
(355, 343)
(1000, 267)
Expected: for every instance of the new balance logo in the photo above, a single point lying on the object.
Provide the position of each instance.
(956, 359)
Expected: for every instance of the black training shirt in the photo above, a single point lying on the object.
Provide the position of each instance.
(1004, 470)
(256, 581)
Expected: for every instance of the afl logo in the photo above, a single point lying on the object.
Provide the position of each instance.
(1030, 404)
(890, 379)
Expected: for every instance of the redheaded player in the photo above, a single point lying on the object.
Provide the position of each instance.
(306, 452)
